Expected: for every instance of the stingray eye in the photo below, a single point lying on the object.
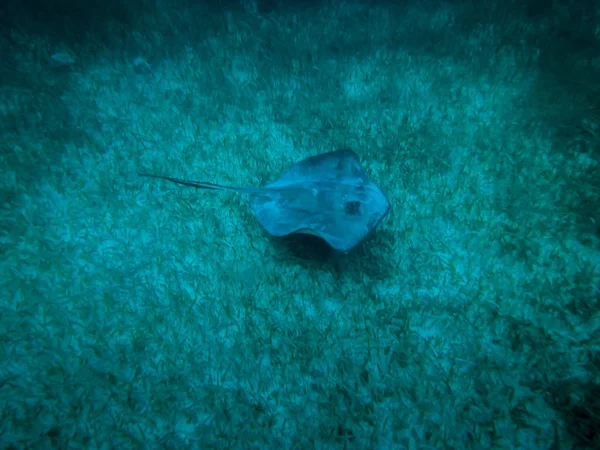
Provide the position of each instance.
(352, 208)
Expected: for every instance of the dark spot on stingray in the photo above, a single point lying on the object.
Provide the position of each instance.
(352, 208)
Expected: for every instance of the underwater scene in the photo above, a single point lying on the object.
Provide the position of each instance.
(254, 224)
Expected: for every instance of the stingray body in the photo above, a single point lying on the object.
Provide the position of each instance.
(327, 195)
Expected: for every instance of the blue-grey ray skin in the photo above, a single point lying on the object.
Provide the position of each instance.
(327, 195)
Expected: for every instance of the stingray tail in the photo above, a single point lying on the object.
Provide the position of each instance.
(202, 184)
(196, 184)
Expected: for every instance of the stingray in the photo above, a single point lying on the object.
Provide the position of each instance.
(328, 195)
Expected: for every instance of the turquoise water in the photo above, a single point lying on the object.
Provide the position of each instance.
(138, 314)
